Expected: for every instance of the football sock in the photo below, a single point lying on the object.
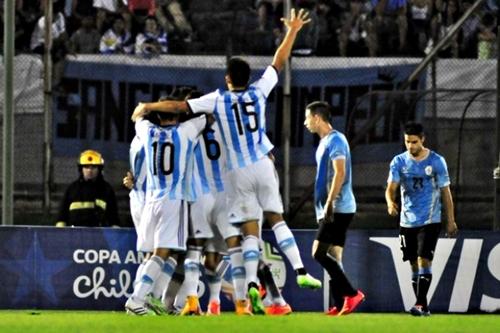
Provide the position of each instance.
(287, 244)
(424, 282)
(192, 270)
(214, 285)
(266, 278)
(251, 256)
(336, 297)
(164, 277)
(414, 282)
(138, 273)
(336, 273)
(150, 273)
(238, 273)
(173, 287)
(180, 300)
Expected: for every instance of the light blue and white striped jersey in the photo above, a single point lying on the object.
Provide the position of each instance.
(241, 115)
(169, 157)
(210, 161)
(421, 183)
(137, 158)
(331, 147)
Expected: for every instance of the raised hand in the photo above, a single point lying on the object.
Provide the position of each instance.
(296, 21)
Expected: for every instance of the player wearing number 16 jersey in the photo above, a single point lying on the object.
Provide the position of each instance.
(253, 184)
(163, 227)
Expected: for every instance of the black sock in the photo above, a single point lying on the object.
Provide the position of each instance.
(424, 282)
(301, 271)
(253, 285)
(336, 298)
(266, 279)
(341, 283)
(414, 283)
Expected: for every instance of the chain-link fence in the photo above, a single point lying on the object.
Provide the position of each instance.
(94, 96)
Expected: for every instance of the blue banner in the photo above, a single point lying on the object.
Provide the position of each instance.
(80, 268)
(100, 93)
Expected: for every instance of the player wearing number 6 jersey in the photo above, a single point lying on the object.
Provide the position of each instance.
(163, 227)
(253, 183)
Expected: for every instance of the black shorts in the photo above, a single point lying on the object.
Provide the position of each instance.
(419, 242)
(334, 232)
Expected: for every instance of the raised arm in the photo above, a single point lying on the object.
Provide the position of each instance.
(143, 109)
(293, 25)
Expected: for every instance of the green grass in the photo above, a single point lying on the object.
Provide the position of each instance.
(96, 322)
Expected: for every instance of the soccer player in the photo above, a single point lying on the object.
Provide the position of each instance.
(425, 185)
(253, 184)
(334, 204)
(163, 227)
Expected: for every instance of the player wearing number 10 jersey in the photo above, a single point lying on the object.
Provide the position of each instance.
(163, 227)
(253, 184)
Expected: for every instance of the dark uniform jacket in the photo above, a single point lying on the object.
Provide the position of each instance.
(89, 204)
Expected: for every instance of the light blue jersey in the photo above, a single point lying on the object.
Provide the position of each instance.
(209, 161)
(137, 158)
(169, 157)
(241, 116)
(331, 147)
(421, 183)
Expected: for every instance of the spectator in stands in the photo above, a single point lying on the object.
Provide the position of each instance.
(387, 31)
(307, 40)
(117, 40)
(353, 34)
(329, 14)
(107, 10)
(90, 200)
(172, 19)
(86, 39)
(60, 42)
(153, 40)
(80, 9)
(419, 25)
(448, 13)
(486, 47)
(469, 32)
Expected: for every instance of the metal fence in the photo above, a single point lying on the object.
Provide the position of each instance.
(457, 106)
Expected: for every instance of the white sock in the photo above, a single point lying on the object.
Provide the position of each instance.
(164, 278)
(192, 270)
(150, 273)
(287, 244)
(214, 285)
(173, 287)
(251, 256)
(138, 273)
(238, 273)
(180, 300)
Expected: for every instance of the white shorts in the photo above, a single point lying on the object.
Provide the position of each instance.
(164, 224)
(208, 215)
(253, 189)
(136, 201)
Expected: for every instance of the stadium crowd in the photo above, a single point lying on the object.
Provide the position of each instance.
(357, 28)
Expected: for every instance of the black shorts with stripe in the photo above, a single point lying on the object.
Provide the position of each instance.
(419, 241)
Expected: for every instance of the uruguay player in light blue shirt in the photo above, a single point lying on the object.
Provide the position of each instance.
(335, 205)
(423, 178)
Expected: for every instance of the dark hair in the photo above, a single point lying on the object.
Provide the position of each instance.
(413, 128)
(156, 117)
(239, 72)
(320, 108)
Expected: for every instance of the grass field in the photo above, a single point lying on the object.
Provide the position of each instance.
(96, 322)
